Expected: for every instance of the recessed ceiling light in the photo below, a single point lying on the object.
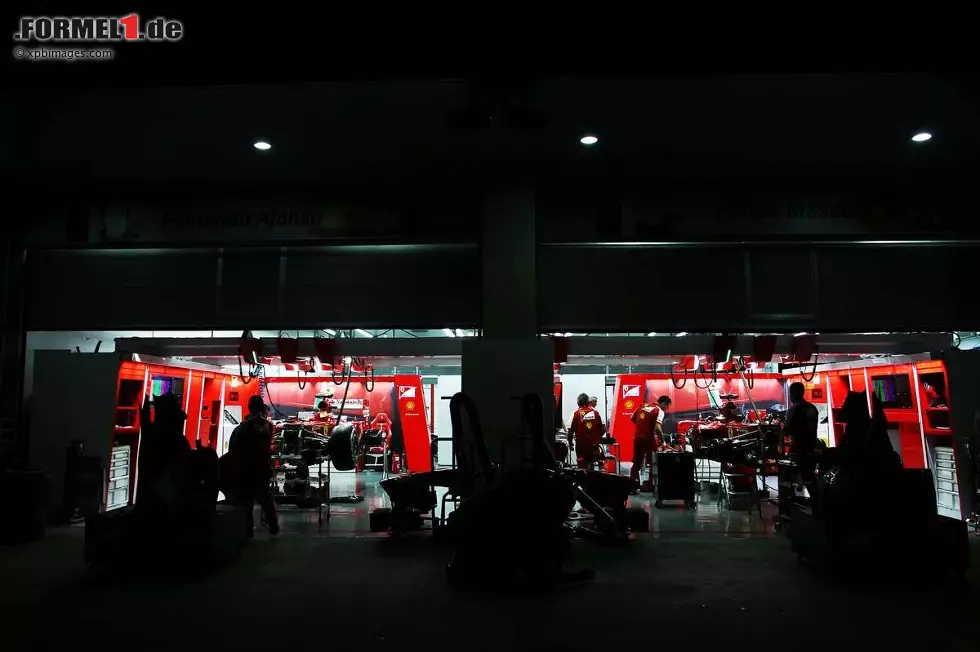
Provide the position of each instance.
(588, 140)
(262, 145)
(921, 137)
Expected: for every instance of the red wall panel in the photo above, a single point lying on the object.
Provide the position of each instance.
(400, 397)
(194, 393)
(632, 390)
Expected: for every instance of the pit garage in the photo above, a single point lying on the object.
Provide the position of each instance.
(722, 464)
(318, 390)
(724, 427)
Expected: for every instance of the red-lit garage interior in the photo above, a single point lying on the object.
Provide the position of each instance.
(722, 399)
(398, 405)
(309, 387)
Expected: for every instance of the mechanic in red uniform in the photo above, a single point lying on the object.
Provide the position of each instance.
(586, 429)
(648, 435)
(322, 412)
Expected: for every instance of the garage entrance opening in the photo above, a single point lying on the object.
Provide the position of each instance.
(721, 446)
(388, 408)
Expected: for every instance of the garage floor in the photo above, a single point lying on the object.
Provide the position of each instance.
(353, 519)
(711, 589)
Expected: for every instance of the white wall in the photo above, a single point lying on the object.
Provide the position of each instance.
(61, 341)
(575, 384)
(83, 388)
(445, 386)
(86, 341)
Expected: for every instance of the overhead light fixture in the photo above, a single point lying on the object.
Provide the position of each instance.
(650, 334)
(799, 334)
(566, 335)
(449, 332)
(261, 145)
(921, 137)
(681, 334)
(363, 332)
(329, 331)
(588, 140)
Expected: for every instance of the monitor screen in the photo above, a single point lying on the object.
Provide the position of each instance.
(160, 385)
(894, 392)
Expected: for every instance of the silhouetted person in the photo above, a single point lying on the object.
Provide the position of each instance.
(857, 426)
(879, 444)
(203, 477)
(801, 426)
(163, 454)
(250, 446)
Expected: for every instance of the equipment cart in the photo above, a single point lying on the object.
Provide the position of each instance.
(675, 479)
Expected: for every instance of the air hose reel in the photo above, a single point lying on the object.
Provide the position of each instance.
(249, 351)
(673, 380)
(805, 348)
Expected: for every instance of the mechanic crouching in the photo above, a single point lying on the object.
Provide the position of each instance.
(648, 435)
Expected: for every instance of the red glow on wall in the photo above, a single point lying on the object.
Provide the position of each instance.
(687, 401)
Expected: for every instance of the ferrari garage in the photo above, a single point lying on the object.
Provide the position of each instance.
(696, 440)
(724, 455)
(339, 427)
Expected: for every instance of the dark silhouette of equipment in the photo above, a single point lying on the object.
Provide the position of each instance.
(862, 498)
(498, 536)
(176, 526)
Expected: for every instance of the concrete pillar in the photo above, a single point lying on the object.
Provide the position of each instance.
(510, 359)
(507, 253)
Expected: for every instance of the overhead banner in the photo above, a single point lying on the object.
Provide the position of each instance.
(238, 221)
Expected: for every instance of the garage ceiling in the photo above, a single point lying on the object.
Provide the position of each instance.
(371, 135)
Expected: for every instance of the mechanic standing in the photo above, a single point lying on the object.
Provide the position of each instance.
(323, 413)
(250, 447)
(586, 429)
(801, 426)
(649, 433)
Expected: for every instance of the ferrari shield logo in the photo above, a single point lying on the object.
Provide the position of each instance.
(631, 390)
(406, 391)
